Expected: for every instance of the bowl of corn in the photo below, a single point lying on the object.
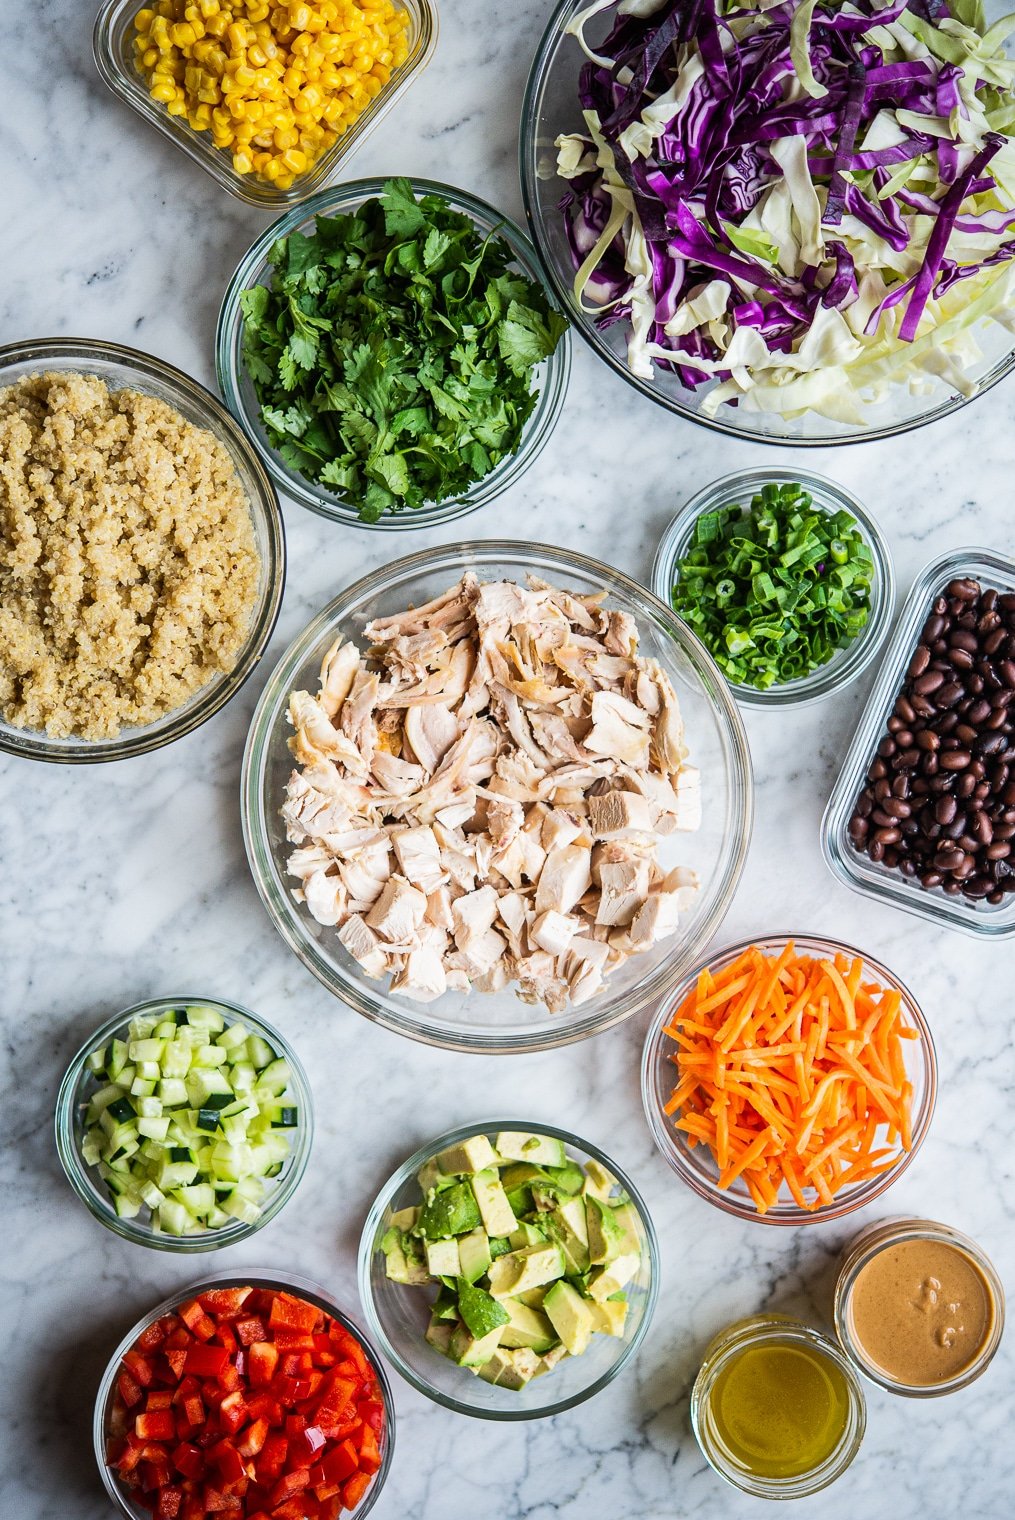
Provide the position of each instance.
(269, 98)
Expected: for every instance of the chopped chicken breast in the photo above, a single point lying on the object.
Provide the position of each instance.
(480, 794)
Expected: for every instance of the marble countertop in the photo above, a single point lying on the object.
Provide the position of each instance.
(125, 881)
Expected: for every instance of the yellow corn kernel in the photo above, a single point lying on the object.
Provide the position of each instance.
(236, 36)
(216, 24)
(164, 92)
(283, 180)
(295, 160)
(183, 34)
(208, 8)
(309, 99)
(176, 107)
(201, 117)
(143, 20)
(242, 163)
(285, 137)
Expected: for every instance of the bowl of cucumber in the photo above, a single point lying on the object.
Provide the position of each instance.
(184, 1123)
(508, 1270)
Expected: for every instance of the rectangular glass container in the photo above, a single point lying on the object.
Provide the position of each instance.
(873, 878)
(113, 50)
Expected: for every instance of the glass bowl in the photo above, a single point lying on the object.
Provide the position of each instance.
(72, 1101)
(128, 369)
(774, 1330)
(737, 490)
(113, 51)
(500, 1022)
(551, 376)
(874, 879)
(397, 1315)
(550, 108)
(695, 1165)
(286, 1282)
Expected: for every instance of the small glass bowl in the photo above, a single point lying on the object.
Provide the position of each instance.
(128, 369)
(286, 1282)
(551, 108)
(550, 378)
(695, 1164)
(737, 490)
(397, 1315)
(499, 1023)
(874, 1239)
(774, 1329)
(873, 878)
(113, 51)
(72, 1102)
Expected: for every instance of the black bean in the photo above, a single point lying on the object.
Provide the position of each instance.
(1006, 670)
(948, 694)
(918, 664)
(954, 759)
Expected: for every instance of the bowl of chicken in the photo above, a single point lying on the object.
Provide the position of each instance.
(496, 797)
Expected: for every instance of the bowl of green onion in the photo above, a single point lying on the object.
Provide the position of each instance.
(184, 1123)
(786, 579)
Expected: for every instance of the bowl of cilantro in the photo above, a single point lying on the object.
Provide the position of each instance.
(786, 579)
(392, 352)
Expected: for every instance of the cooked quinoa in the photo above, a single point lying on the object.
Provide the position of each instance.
(128, 562)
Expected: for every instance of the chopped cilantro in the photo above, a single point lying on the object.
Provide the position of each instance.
(393, 352)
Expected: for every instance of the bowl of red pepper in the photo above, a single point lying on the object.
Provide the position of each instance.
(252, 1396)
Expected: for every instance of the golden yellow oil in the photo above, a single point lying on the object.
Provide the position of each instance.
(779, 1410)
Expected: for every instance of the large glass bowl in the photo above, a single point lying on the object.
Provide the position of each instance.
(500, 1022)
(398, 1315)
(695, 1164)
(128, 369)
(551, 377)
(115, 59)
(286, 1282)
(72, 1102)
(551, 107)
(828, 497)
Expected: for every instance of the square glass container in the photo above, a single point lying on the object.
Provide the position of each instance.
(873, 878)
(113, 50)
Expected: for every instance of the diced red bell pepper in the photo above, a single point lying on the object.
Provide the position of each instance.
(250, 1330)
(197, 1322)
(372, 1411)
(232, 1412)
(177, 1361)
(324, 1350)
(169, 1503)
(290, 1484)
(159, 1425)
(261, 1406)
(295, 1364)
(185, 1389)
(216, 1502)
(295, 1425)
(225, 1336)
(129, 1389)
(128, 1459)
(354, 1489)
(153, 1336)
(139, 1367)
(178, 1339)
(225, 1303)
(253, 1438)
(154, 1475)
(293, 1340)
(295, 1509)
(353, 1350)
(272, 1459)
(329, 1508)
(229, 1378)
(193, 1410)
(159, 1398)
(340, 1463)
(262, 1359)
(307, 1447)
(189, 1460)
(207, 1361)
(369, 1451)
(193, 1508)
(289, 1313)
(228, 1461)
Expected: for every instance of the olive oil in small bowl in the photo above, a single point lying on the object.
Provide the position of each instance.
(776, 1408)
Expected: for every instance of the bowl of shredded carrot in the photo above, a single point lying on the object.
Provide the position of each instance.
(789, 1079)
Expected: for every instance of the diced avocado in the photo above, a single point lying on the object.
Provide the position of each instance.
(445, 1304)
(499, 1246)
(451, 1211)
(566, 1224)
(541, 1150)
(520, 1174)
(480, 1310)
(510, 1369)
(598, 1180)
(528, 1268)
(626, 1216)
(429, 1175)
(468, 1351)
(438, 1335)
(520, 1200)
(405, 1219)
(442, 1258)
(473, 1155)
(551, 1358)
(532, 1298)
(526, 1235)
(605, 1281)
(546, 1196)
(527, 1327)
(401, 1264)
(570, 1315)
(606, 1237)
(474, 1254)
(569, 1178)
(496, 1213)
(609, 1317)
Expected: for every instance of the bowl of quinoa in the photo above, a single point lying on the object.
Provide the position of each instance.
(142, 554)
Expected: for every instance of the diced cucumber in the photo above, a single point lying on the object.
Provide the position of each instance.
(210, 1056)
(197, 1199)
(146, 1050)
(241, 1208)
(148, 1108)
(151, 1071)
(96, 1061)
(173, 1092)
(274, 1078)
(235, 1034)
(152, 1196)
(141, 1088)
(165, 1030)
(118, 1055)
(175, 1174)
(91, 1150)
(200, 1016)
(153, 1129)
(285, 1117)
(243, 1076)
(141, 1026)
(176, 1059)
(173, 1217)
(202, 1085)
(126, 1208)
(259, 1051)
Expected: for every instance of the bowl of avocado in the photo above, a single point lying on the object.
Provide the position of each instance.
(508, 1270)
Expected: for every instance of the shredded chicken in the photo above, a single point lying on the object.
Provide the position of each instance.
(479, 798)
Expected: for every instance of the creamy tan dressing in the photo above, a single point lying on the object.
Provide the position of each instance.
(921, 1310)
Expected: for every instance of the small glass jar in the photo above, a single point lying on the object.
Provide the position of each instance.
(890, 1232)
(774, 1330)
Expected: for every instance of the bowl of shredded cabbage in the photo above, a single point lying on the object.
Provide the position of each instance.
(789, 221)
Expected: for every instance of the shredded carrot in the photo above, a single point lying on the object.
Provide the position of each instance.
(792, 1072)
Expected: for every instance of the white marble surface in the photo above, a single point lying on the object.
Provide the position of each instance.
(124, 881)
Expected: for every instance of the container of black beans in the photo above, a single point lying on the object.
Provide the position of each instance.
(923, 813)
